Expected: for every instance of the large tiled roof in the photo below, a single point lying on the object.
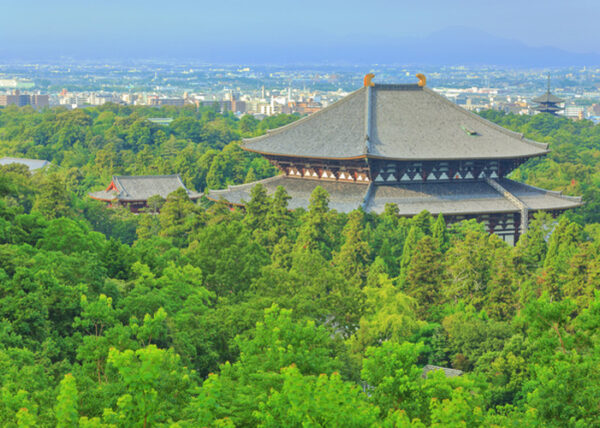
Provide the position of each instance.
(465, 197)
(337, 131)
(343, 197)
(540, 199)
(450, 198)
(32, 164)
(142, 187)
(404, 122)
(420, 124)
(468, 197)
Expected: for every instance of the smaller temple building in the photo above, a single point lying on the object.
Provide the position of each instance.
(447, 371)
(134, 191)
(32, 164)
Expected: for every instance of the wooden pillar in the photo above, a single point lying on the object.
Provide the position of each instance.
(492, 222)
(426, 170)
(517, 221)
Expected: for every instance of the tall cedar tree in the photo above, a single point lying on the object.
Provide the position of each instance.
(561, 247)
(424, 275)
(278, 221)
(413, 237)
(257, 208)
(178, 217)
(468, 265)
(313, 234)
(353, 256)
(439, 232)
(53, 199)
(502, 298)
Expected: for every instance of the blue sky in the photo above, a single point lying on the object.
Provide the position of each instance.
(142, 28)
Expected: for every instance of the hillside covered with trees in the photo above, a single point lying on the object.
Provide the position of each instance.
(204, 316)
(93, 144)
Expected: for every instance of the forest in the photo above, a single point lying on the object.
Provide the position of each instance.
(199, 315)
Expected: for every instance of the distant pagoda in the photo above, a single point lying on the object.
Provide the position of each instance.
(406, 145)
(548, 103)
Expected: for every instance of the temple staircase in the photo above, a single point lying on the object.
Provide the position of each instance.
(514, 200)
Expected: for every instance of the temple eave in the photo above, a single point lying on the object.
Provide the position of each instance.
(431, 158)
(292, 155)
(474, 197)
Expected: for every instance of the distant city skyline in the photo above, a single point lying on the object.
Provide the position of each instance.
(272, 31)
(264, 90)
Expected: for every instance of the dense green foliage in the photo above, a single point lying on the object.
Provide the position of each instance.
(91, 145)
(204, 316)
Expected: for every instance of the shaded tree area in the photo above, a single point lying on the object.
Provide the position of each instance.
(198, 315)
(271, 317)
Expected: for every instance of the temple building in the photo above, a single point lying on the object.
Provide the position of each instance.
(134, 191)
(404, 144)
(448, 372)
(548, 103)
(32, 164)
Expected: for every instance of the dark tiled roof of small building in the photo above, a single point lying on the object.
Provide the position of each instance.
(142, 187)
(449, 198)
(406, 122)
(447, 371)
(32, 164)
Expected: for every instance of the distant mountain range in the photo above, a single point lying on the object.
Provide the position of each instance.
(459, 45)
(452, 46)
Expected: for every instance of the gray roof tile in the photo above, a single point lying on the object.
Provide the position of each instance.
(343, 197)
(540, 199)
(142, 187)
(450, 198)
(407, 123)
(32, 164)
(336, 131)
(421, 124)
(447, 371)
(547, 98)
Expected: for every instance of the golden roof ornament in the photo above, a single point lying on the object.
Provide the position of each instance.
(422, 79)
(368, 79)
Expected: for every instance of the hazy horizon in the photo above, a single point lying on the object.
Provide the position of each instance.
(538, 33)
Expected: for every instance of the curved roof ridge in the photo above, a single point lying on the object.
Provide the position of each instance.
(546, 191)
(237, 186)
(399, 86)
(182, 183)
(147, 176)
(23, 159)
(304, 119)
(517, 135)
(120, 188)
